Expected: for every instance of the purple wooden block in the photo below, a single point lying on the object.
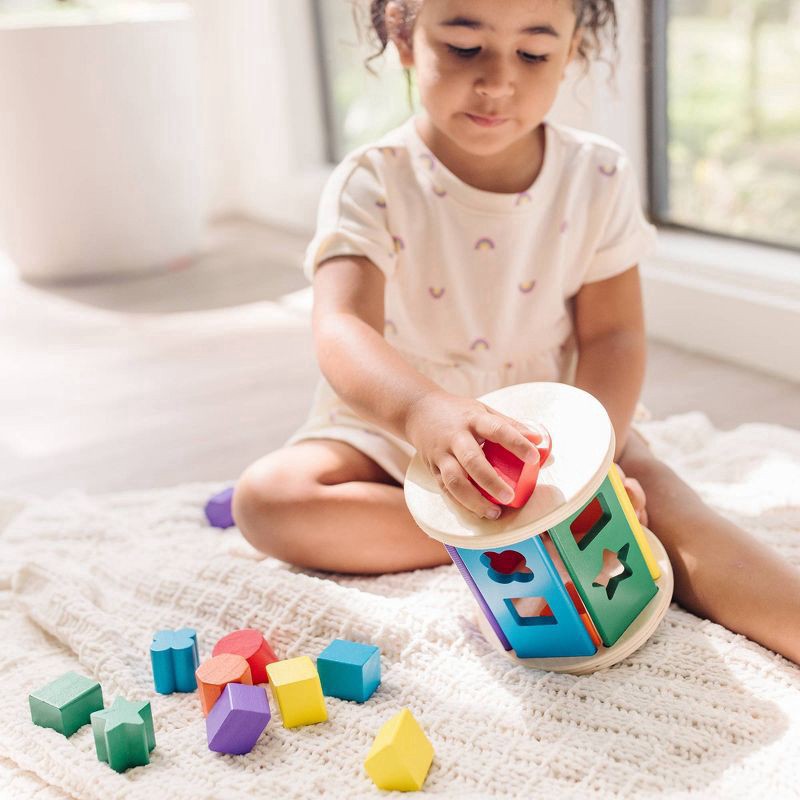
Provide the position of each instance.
(218, 509)
(237, 719)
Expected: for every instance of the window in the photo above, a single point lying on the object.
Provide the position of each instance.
(359, 106)
(724, 113)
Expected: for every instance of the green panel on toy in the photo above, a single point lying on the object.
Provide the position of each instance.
(349, 670)
(124, 734)
(66, 703)
(523, 590)
(601, 555)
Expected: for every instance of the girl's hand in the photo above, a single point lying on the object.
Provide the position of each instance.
(636, 494)
(448, 431)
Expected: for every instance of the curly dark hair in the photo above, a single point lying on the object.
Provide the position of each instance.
(595, 17)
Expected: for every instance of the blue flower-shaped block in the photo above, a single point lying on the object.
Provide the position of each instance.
(174, 657)
(349, 670)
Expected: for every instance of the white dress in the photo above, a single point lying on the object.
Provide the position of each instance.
(479, 285)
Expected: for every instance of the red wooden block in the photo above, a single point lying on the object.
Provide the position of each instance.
(520, 475)
(253, 647)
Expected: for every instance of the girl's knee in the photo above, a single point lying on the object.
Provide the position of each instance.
(265, 500)
(636, 458)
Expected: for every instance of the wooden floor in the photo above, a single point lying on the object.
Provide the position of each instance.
(194, 374)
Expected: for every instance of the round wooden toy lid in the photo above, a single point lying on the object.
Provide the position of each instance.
(583, 449)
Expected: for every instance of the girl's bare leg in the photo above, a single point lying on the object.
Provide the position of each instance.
(321, 504)
(721, 572)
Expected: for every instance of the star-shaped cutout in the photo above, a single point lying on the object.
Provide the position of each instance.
(123, 734)
(614, 571)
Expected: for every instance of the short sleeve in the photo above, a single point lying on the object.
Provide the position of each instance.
(352, 218)
(626, 237)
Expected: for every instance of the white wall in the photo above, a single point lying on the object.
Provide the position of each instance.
(263, 109)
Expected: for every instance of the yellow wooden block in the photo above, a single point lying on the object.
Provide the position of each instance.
(296, 686)
(633, 521)
(400, 756)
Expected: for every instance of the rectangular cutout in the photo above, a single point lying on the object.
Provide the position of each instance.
(594, 517)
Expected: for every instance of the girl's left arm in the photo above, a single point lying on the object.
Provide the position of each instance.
(609, 327)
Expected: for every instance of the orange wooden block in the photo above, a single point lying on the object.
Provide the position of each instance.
(253, 647)
(216, 673)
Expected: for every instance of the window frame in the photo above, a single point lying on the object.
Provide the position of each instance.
(331, 137)
(656, 21)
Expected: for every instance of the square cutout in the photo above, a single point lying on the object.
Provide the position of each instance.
(530, 611)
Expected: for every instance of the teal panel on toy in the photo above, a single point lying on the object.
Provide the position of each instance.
(124, 734)
(349, 670)
(175, 659)
(517, 583)
(66, 703)
(601, 555)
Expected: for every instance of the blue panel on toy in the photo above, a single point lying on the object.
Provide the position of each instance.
(175, 658)
(603, 558)
(519, 583)
(349, 670)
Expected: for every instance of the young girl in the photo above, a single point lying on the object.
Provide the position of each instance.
(478, 246)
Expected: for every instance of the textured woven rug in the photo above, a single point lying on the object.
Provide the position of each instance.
(85, 580)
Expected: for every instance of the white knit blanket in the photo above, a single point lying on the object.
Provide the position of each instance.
(85, 580)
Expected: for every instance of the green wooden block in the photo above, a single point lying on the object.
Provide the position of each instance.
(123, 734)
(66, 703)
(607, 566)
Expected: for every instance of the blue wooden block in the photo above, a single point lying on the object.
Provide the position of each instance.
(349, 670)
(175, 658)
(562, 633)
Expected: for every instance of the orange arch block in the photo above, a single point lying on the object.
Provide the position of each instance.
(253, 647)
(216, 673)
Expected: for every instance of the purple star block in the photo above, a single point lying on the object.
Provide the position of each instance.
(218, 509)
(237, 719)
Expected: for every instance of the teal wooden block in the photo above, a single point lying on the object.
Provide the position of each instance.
(349, 670)
(66, 703)
(175, 659)
(124, 734)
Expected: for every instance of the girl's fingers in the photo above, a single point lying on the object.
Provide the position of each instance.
(471, 457)
(638, 499)
(497, 429)
(454, 481)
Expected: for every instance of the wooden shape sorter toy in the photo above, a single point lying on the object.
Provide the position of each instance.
(296, 687)
(174, 657)
(253, 647)
(570, 581)
(66, 704)
(124, 734)
(400, 756)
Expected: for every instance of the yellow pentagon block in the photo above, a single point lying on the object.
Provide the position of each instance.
(296, 686)
(400, 756)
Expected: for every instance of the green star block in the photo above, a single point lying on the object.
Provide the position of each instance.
(123, 734)
(66, 703)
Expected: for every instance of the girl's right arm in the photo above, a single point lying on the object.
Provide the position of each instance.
(382, 387)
